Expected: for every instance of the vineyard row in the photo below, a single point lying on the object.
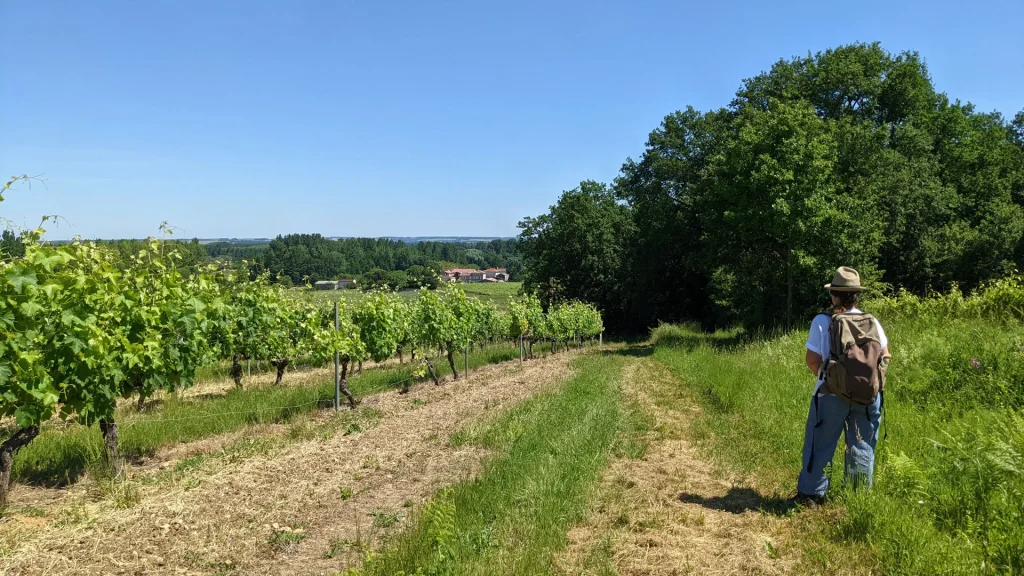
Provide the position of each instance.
(81, 329)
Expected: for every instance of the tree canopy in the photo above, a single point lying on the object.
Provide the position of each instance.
(846, 157)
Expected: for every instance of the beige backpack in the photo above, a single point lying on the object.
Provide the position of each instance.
(855, 369)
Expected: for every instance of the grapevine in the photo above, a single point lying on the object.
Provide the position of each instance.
(83, 327)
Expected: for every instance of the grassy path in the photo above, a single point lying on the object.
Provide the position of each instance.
(513, 517)
(671, 512)
(312, 505)
(599, 476)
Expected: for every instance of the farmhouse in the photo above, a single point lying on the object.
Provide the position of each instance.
(333, 284)
(458, 274)
(472, 275)
(497, 274)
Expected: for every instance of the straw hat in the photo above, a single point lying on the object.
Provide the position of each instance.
(846, 280)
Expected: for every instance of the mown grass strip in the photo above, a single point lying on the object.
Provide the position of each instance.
(60, 455)
(515, 515)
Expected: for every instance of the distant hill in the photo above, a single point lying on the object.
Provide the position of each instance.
(405, 239)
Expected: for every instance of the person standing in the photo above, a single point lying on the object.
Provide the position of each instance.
(848, 352)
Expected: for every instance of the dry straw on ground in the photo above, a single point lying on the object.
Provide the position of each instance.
(300, 506)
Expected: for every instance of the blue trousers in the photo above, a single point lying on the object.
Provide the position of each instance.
(829, 417)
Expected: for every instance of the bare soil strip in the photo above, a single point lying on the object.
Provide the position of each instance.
(670, 513)
(305, 507)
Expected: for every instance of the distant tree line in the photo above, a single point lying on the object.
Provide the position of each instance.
(236, 250)
(11, 245)
(739, 215)
(312, 256)
(297, 258)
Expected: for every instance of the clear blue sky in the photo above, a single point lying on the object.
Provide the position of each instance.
(252, 119)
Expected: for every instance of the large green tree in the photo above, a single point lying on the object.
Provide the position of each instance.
(848, 156)
(576, 250)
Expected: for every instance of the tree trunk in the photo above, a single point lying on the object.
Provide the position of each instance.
(451, 362)
(280, 364)
(343, 384)
(789, 287)
(112, 449)
(530, 355)
(142, 402)
(8, 449)
(400, 359)
(360, 370)
(236, 369)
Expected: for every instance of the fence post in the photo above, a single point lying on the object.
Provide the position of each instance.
(337, 366)
(520, 348)
(467, 360)
(600, 341)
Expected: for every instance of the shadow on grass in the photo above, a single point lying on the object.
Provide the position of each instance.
(740, 500)
(717, 340)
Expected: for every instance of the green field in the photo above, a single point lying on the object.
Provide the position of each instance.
(497, 293)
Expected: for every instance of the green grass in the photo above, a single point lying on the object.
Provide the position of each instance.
(61, 454)
(514, 516)
(286, 538)
(949, 484)
(497, 293)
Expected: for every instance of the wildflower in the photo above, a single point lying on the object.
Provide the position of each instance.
(975, 363)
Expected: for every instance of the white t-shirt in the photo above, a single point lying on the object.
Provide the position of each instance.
(817, 340)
